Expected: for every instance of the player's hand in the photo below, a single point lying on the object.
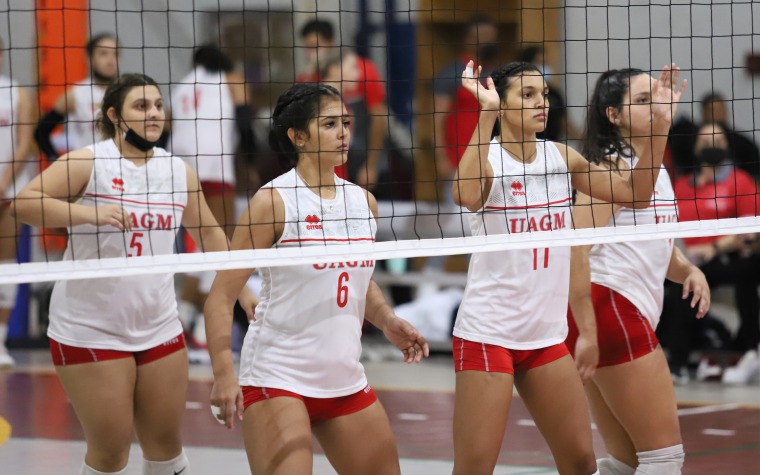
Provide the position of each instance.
(407, 339)
(248, 301)
(666, 93)
(228, 397)
(696, 285)
(586, 356)
(487, 96)
(112, 215)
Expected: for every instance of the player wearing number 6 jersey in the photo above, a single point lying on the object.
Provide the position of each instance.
(616, 293)
(511, 325)
(116, 342)
(300, 370)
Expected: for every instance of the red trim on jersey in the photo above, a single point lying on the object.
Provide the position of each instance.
(114, 198)
(622, 332)
(319, 409)
(214, 188)
(476, 356)
(65, 355)
(543, 205)
(327, 240)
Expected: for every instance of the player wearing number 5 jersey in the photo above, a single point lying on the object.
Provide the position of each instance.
(511, 325)
(299, 370)
(116, 342)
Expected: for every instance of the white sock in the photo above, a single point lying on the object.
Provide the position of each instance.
(176, 466)
(612, 466)
(86, 470)
(667, 461)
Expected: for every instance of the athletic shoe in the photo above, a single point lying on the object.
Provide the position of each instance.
(681, 376)
(708, 370)
(6, 360)
(747, 370)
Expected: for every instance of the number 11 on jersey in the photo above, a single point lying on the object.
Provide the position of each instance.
(537, 257)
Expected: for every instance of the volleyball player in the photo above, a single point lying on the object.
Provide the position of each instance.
(116, 342)
(299, 370)
(511, 325)
(617, 289)
(79, 105)
(16, 129)
(210, 118)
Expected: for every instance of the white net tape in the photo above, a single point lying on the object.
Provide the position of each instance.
(212, 261)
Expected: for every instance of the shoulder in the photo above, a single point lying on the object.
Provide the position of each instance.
(267, 207)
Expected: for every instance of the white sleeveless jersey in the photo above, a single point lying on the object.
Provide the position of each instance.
(81, 128)
(130, 313)
(306, 337)
(203, 125)
(637, 270)
(8, 121)
(518, 299)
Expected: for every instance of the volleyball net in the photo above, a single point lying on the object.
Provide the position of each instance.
(398, 66)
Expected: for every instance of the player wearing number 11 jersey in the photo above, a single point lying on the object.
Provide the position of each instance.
(511, 325)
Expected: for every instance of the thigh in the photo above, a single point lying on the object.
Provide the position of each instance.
(361, 442)
(641, 396)
(102, 396)
(160, 394)
(277, 436)
(553, 393)
(481, 408)
(616, 440)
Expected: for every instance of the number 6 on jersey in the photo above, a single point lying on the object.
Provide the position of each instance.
(342, 298)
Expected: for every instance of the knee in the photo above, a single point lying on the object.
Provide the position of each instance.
(161, 445)
(109, 461)
(584, 463)
(473, 466)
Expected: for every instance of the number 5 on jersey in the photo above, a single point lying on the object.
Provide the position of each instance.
(342, 297)
(135, 246)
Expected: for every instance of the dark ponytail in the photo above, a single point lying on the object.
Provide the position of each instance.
(501, 77)
(602, 138)
(295, 108)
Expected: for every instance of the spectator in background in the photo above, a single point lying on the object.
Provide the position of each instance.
(365, 98)
(558, 126)
(456, 109)
(82, 101)
(717, 190)
(16, 129)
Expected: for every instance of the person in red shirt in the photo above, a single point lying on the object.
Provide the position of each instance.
(717, 190)
(363, 94)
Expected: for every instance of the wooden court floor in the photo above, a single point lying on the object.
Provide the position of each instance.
(719, 438)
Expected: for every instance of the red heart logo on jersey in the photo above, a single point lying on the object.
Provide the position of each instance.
(312, 219)
(516, 185)
(118, 182)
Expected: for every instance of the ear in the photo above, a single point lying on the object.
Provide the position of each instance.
(292, 135)
(613, 115)
(111, 114)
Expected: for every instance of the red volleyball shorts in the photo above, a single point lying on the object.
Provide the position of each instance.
(65, 355)
(319, 409)
(474, 356)
(215, 188)
(622, 332)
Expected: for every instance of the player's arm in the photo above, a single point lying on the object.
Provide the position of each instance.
(63, 106)
(48, 200)
(243, 114)
(474, 175)
(681, 271)
(587, 213)
(441, 109)
(198, 219)
(22, 141)
(258, 228)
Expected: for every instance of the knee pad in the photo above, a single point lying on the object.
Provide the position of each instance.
(613, 466)
(87, 470)
(176, 466)
(667, 461)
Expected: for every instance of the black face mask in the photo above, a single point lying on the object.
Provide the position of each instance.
(138, 142)
(712, 156)
(488, 52)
